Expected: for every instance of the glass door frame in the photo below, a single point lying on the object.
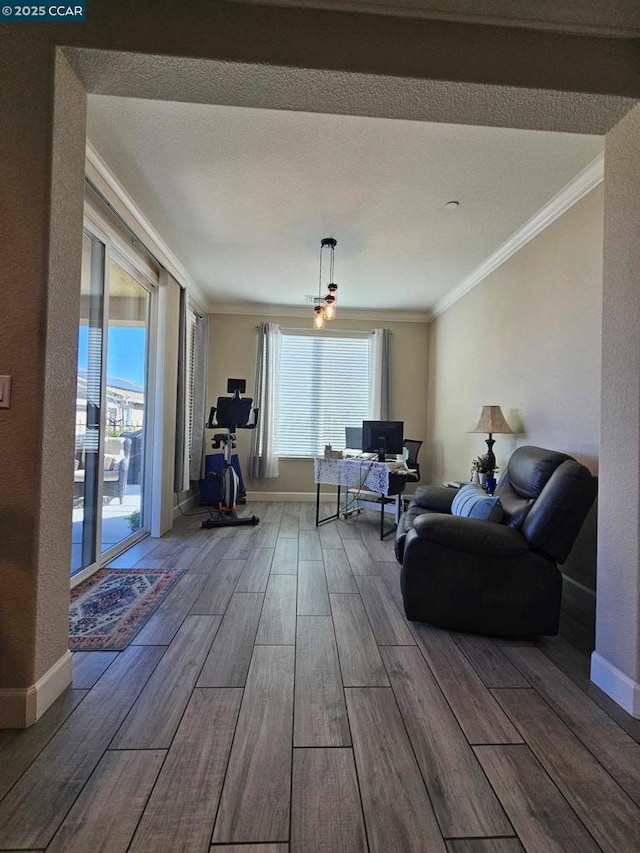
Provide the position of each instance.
(116, 251)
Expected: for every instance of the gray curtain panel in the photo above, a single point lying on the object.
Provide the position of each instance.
(263, 462)
(198, 449)
(380, 374)
(181, 470)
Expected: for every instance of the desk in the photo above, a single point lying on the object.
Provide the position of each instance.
(358, 474)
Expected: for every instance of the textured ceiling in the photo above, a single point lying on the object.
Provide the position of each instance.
(243, 196)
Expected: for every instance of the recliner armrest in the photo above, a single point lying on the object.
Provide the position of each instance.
(470, 535)
(434, 498)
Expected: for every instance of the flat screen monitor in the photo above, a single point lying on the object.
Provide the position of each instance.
(236, 385)
(383, 437)
(353, 438)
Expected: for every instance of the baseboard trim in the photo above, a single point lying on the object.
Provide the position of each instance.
(21, 707)
(186, 504)
(301, 497)
(616, 684)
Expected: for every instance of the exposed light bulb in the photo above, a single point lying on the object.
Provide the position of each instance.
(330, 306)
(318, 319)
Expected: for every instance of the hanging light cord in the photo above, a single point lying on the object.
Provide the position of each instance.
(331, 265)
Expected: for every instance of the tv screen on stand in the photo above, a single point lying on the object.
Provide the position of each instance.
(386, 438)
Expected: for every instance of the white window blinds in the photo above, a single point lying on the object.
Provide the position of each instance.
(324, 386)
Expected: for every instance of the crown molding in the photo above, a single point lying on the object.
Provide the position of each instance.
(108, 184)
(257, 309)
(585, 181)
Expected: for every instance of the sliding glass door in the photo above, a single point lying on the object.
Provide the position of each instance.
(86, 475)
(112, 405)
(125, 407)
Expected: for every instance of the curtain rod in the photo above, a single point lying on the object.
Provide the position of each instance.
(327, 331)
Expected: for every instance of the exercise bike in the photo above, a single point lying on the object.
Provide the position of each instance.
(230, 413)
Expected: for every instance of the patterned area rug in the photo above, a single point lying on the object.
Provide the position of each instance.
(109, 609)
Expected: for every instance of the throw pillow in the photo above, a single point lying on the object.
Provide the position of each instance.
(110, 461)
(473, 502)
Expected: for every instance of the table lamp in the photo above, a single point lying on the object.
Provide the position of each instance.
(491, 420)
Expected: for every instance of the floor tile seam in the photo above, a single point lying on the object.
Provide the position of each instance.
(149, 795)
(263, 594)
(581, 742)
(353, 753)
(138, 693)
(46, 743)
(553, 781)
(434, 674)
(484, 681)
(378, 643)
(559, 783)
(293, 712)
(227, 762)
(82, 789)
(372, 634)
(215, 633)
(555, 705)
(341, 675)
(464, 738)
(413, 753)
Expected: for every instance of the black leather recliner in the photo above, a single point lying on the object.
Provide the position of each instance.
(489, 578)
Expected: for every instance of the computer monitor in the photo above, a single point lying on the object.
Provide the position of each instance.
(383, 437)
(353, 438)
(234, 385)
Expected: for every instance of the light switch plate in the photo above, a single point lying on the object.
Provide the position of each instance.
(5, 392)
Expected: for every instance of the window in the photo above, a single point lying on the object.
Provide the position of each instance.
(324, 387)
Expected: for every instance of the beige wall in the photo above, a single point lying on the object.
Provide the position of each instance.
(232, 352)
(527, 338)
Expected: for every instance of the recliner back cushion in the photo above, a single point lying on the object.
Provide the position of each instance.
(528, 472)
(558, 514)
(530, 468)
(514, 507)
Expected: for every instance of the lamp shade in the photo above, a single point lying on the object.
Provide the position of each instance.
(491, 420)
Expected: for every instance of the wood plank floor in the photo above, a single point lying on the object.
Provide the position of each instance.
(280, 702)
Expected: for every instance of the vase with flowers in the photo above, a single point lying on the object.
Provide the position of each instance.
(479, 470)
(483, 473)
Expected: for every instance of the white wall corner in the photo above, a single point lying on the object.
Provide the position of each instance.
(622, 689)
(585, 181)
(21, 707)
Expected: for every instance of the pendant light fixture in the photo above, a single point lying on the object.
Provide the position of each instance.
(326, 308)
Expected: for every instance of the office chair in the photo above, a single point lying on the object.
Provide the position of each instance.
(413, 448)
